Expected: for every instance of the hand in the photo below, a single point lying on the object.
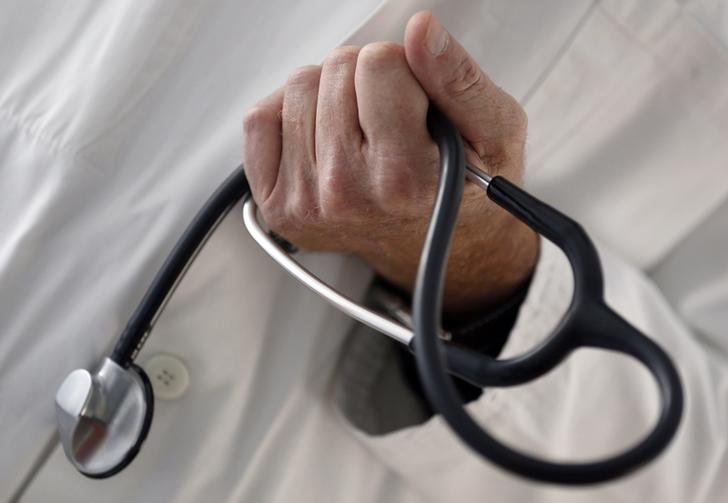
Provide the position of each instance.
(340, 159)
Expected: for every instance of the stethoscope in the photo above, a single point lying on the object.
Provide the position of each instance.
(104, 416)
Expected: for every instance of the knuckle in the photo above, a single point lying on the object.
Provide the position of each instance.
(335, 183)
(394, 189)
(304, 76)
(275, 219)
(381, 55)
(301, 210)
(257, 117)
(342, 55)
(402, 182)
(335, 206)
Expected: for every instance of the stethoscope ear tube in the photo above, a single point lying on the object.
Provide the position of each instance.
(588, 323)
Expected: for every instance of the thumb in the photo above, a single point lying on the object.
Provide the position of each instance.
(487, 117)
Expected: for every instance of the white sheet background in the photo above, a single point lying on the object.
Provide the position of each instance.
(117, 119)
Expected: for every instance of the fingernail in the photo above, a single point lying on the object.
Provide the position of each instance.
(436, 37)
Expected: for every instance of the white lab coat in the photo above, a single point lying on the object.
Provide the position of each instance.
(118, 118)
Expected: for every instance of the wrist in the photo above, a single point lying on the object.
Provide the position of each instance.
(482, 271)
(491, 268)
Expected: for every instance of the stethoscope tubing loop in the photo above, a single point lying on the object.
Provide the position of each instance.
(609, 331)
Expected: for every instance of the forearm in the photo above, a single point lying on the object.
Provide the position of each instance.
(476, 279)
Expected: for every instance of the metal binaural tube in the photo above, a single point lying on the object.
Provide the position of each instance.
(378, 322)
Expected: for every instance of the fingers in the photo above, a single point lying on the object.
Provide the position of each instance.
(298, 157)
(487, 117)
(338, 136)
(280, 151)
(392, 105)
(393, 117)
(262, 144)
(337, 117)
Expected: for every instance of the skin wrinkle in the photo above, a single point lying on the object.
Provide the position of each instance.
(465, 82)
(358, 170)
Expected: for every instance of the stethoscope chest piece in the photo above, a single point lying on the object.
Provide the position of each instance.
(104, 417)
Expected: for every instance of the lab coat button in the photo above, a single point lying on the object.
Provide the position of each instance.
(169, 376)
